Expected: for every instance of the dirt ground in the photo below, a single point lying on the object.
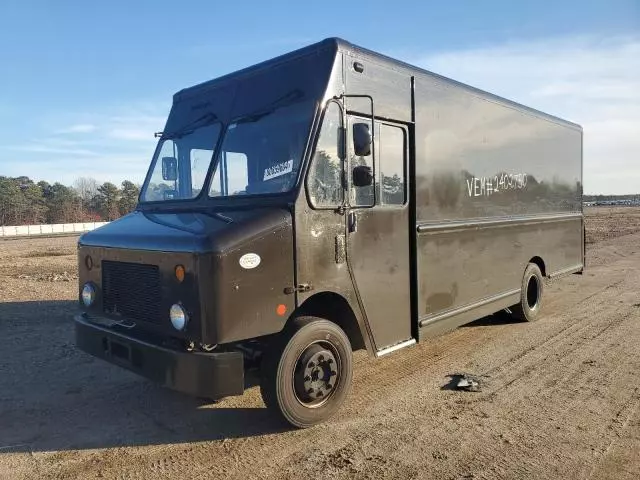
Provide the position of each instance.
(560, 398)
(611, 222)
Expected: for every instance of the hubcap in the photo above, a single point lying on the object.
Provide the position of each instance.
(533, 292)
(316, 374)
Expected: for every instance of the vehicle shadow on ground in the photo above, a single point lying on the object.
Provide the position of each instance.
(498, 318)
(55, 397)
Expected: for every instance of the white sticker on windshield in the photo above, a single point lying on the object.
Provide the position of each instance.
(278, 170)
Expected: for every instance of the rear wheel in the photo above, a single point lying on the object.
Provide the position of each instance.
(531, 297)
(306, 374)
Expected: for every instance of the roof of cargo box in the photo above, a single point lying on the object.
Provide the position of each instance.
(339, 44)
(329, 43)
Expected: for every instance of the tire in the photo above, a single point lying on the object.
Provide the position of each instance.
(307, 371)
(532, 290)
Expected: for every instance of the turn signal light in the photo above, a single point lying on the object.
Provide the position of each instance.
(180, 273)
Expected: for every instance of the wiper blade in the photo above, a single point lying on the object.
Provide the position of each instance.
(207, 211)
(287, 99)
(217, 215)
(190, 127)
(193, 209)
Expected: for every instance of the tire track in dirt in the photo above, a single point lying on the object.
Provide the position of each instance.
(405, 368)
(583, 330)
(601, 467)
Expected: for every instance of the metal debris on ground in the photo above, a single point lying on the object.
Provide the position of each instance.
(468, 383)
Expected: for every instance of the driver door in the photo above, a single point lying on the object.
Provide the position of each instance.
(378, 232)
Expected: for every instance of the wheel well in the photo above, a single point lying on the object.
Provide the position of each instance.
(538, 261)
(334, 307)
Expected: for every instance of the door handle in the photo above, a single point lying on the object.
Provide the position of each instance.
(353, 222)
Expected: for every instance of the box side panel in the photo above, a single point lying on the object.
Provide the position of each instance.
(463, 266)
(495, 187)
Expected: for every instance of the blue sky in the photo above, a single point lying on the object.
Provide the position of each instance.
(85, 84)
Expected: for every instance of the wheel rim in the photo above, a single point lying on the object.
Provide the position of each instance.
(533, 292)
(316, 374)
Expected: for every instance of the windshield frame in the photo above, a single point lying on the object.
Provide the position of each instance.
(203, 197)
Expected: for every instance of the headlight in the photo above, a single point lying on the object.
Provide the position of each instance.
(178, 316)
(88, 294)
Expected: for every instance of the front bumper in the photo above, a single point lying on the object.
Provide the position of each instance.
(210, 375)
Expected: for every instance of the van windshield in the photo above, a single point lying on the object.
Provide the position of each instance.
(261, 153)
(181, 163)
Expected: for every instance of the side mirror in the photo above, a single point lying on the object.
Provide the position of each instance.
(169, 169)
(362, 176)
(362, 139)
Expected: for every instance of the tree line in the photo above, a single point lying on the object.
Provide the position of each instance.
(25, 202)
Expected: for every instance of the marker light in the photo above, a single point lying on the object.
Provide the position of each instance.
(178, 316)
(180, 273)
(88, 294)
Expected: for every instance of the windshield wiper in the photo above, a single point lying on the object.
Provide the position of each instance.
(207, 211)
(217, 215)
(287, 99)
(192, 209)
(190, 127)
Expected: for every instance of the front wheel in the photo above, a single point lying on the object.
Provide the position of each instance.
(306, 374)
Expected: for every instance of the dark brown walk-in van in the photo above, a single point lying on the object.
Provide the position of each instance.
(329, 200)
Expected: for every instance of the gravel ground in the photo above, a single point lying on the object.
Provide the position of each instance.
(560, 398)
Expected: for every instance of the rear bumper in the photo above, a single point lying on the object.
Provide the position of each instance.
(210, 375)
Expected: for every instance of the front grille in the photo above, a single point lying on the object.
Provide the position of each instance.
(131, 290)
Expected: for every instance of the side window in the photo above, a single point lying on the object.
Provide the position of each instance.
(324, 180)
(392, 148)
(200, 160)
(237, 173)
(231, 176)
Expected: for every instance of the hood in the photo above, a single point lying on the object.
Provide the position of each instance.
(191, 232)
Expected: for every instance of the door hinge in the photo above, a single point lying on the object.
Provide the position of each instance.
(303, 287)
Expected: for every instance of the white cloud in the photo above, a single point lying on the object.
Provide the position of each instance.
(78, 128)
(131, 134)
(52, 149)
(117, 145)
(134, 127)
(592, 81)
